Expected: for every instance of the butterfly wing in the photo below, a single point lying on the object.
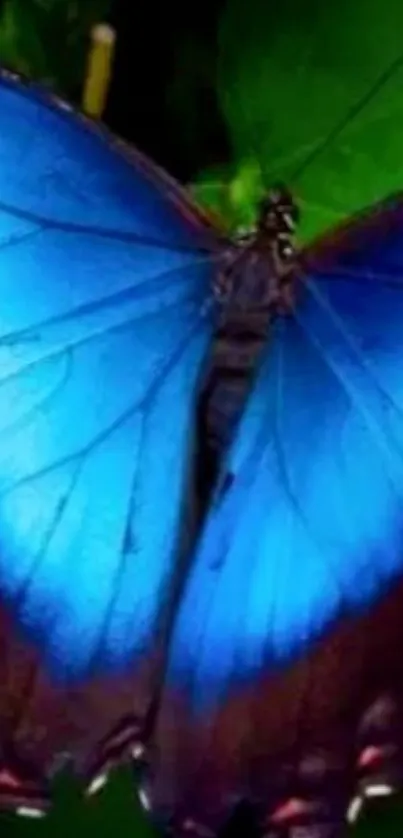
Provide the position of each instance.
(105, 317)
(292, 616)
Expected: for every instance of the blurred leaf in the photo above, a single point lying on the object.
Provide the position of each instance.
(114, 811)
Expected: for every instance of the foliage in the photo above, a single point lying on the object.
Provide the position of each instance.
(289, 74)
(48, 39)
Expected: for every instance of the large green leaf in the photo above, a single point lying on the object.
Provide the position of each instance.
(290, 72)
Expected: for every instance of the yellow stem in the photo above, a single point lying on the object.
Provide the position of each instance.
(99, 68)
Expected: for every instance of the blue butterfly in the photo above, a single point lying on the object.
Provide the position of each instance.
(249, 645)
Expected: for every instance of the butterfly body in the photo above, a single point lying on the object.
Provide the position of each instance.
(255, 282)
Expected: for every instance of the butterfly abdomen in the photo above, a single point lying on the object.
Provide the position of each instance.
(237, 346)
(254, 279)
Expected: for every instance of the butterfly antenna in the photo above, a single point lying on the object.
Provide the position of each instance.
(350, 116)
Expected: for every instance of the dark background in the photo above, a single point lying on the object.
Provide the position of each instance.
(163, 93)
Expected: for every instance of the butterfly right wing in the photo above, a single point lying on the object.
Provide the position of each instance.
(291, 622)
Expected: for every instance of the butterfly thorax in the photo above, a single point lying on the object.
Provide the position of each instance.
(255, 283)
(260, 260)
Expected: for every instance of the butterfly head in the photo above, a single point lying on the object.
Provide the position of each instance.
(278, 213)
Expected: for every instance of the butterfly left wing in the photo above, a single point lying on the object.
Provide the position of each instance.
(106, 314)
(292, 617)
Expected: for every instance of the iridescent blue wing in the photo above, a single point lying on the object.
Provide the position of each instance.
(106, 314)
(292, 619)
